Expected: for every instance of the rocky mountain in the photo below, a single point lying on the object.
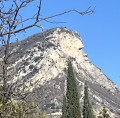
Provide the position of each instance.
(40, 61)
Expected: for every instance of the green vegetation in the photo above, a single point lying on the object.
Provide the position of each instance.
(104, 113)
(72, 96)
(23, 110)
(31, 67)
(36, 59)
(20, 109)
(71, 106)
(87, 107)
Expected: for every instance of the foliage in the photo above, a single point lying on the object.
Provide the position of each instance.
(100, 117)
(20, 109)
(44, 115)
(1, 95)
(72, 96)
(104, 113)
(87, 108)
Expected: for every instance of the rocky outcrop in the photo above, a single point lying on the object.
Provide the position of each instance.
(42, 65)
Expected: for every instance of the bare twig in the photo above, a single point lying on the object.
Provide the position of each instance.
(12, 23)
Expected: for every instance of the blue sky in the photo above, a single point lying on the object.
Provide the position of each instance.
(100, 31)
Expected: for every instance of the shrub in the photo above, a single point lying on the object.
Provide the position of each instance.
(31, 67)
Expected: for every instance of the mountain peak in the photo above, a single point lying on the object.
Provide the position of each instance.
(42, 67)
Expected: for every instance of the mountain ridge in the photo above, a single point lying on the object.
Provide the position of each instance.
(42, 66)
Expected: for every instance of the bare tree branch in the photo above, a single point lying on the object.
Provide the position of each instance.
(12, 23)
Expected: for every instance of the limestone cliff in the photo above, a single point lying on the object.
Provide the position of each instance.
(43, 64)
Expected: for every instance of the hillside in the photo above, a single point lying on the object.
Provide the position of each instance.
(41, 63)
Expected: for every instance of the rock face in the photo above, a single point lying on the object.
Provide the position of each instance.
(42, 66)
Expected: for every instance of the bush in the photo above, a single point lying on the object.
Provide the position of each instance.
(31, 67)
(36, 59)
(35, 70)
(26, 63)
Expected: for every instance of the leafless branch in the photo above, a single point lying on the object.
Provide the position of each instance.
(12, 23)
(88, 11)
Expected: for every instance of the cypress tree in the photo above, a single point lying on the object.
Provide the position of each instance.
(64, 113)
(72, 96)
(87, 107)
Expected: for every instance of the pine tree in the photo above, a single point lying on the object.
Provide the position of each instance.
(72, 96)
(64, 113)
(87, 108)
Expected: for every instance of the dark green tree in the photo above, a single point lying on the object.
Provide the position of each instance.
(72, 96)
(64, 113)
(87, 107)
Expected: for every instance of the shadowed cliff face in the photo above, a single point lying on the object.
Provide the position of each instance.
(41, 62)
